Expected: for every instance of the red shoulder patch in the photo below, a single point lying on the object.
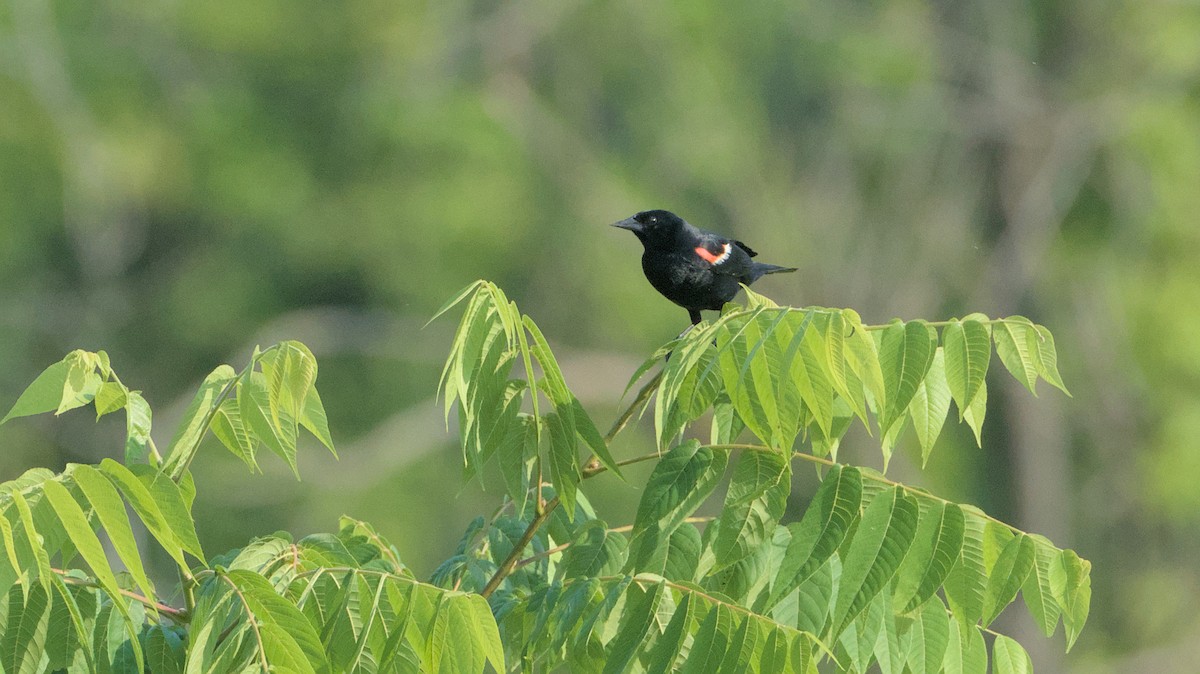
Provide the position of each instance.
(706, 255)
(714, 258)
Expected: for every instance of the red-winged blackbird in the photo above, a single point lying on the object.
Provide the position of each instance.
(691, 267)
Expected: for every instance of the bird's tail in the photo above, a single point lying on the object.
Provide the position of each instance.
(761, 269)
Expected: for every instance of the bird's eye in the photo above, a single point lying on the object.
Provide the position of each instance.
(653, 219)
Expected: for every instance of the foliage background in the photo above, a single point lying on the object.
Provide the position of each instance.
(181, 181)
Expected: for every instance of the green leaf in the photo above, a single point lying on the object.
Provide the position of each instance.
(471, 289)
(743, 648)
(159, 505)
(255, 407)
(1009, 657)
(809, 365)
(24, 637)
(594, 552)
(832, 329)
(711, 641)
(290, 370)
(563, 454)
(875, 553)
(10, 564)
(968, 350)
(755, 502)
(147, 509)
(515, 456)
(81, 383)
(641, 607)
(862, 633)
(1007, 576)
(935, 551)
(1047, 359)
(165, 651)
(1016, 343)
(820, 532)
(930, 638)
(975, 414)
(66, 642)
(905, 356)
(44, 394)
(75, 523)
(478, 333)
(967, 580)
(591, 436)
(109, 398)
(689, 383)
(193, 425)
(680, 482)
(1037, 591)
(965, 654)
(813, 599)
(288, 638)
(137, 428)
(228, 427)
(110, 509)
(1071, 584)
(758, 374)
(930, 405)
(485, 634)
(32, 537)
(862, 356)
(313, 419)
(679, 558)
(891, 647)
(666, 649)
(172, 505)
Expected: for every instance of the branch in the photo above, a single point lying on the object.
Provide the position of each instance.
(591, 469)
(510, 563)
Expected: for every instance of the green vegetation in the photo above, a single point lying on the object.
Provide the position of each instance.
(182, 181)
(874, 571)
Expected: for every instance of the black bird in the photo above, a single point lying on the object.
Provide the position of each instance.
(691, 267)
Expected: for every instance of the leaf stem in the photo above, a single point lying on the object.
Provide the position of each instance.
(179, 615)
(615, 530)
(643, 395)
(869, 476)
(262, 647)
(592, 468)
(942, 324)
(179, 472)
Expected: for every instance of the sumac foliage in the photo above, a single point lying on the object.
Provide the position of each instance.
(873, 574)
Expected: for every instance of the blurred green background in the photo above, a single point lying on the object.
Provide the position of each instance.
(182, 180)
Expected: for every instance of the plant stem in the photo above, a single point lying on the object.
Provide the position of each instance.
(262, 651)
(179, 471)
(510, 563)
(942, 324)
(643, 394)
(615, 530)
(177, 614)
(869, 476)
(591, 469)
(188, 582)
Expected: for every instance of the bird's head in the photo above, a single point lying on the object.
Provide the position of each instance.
(653, 227)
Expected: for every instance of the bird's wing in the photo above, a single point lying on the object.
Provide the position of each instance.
(725, 256)
(748, 249)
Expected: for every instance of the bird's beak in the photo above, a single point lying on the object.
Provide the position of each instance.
(630, 224)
